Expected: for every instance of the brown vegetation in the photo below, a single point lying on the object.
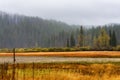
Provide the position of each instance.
(69, 54)
(60, 71)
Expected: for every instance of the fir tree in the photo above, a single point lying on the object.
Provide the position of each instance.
(114, 40)
(110, 35)
(72, 40)
(68, 42)
(81, 37)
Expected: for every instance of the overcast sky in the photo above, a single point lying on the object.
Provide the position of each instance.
(82, 12)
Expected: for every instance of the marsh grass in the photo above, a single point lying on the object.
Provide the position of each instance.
(60, 71)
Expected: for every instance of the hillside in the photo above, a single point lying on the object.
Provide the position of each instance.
(24, 31)
(18, 31)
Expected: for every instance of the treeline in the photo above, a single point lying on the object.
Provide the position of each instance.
(104, 39)
(23, 31)
(18, 31)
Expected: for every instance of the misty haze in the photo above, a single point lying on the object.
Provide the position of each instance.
(59, 40)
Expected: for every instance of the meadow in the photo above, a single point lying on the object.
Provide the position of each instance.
(60, 71)
(70, 70)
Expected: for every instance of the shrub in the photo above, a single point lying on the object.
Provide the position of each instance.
(117, 48)
(19, 50)
(44, 50)
(66, 49)
(85, 48)
(5, 50)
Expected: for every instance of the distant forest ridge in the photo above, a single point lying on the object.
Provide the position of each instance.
(18, 31)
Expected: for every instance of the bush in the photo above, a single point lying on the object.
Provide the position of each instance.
(5, 50)
(65, 49)
(117, 48)
(43, 50)
(85, 48)
(19, 50)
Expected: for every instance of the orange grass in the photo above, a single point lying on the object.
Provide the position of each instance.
(69, 54)
(66, 72)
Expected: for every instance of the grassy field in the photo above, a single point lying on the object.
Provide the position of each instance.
(69, 54)
(60, 71)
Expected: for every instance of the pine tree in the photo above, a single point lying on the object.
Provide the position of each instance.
(68, 42)
(81, 37)
(114, 40)
(110, 35)
(72, 40)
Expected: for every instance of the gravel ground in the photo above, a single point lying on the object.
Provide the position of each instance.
(55, 59)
